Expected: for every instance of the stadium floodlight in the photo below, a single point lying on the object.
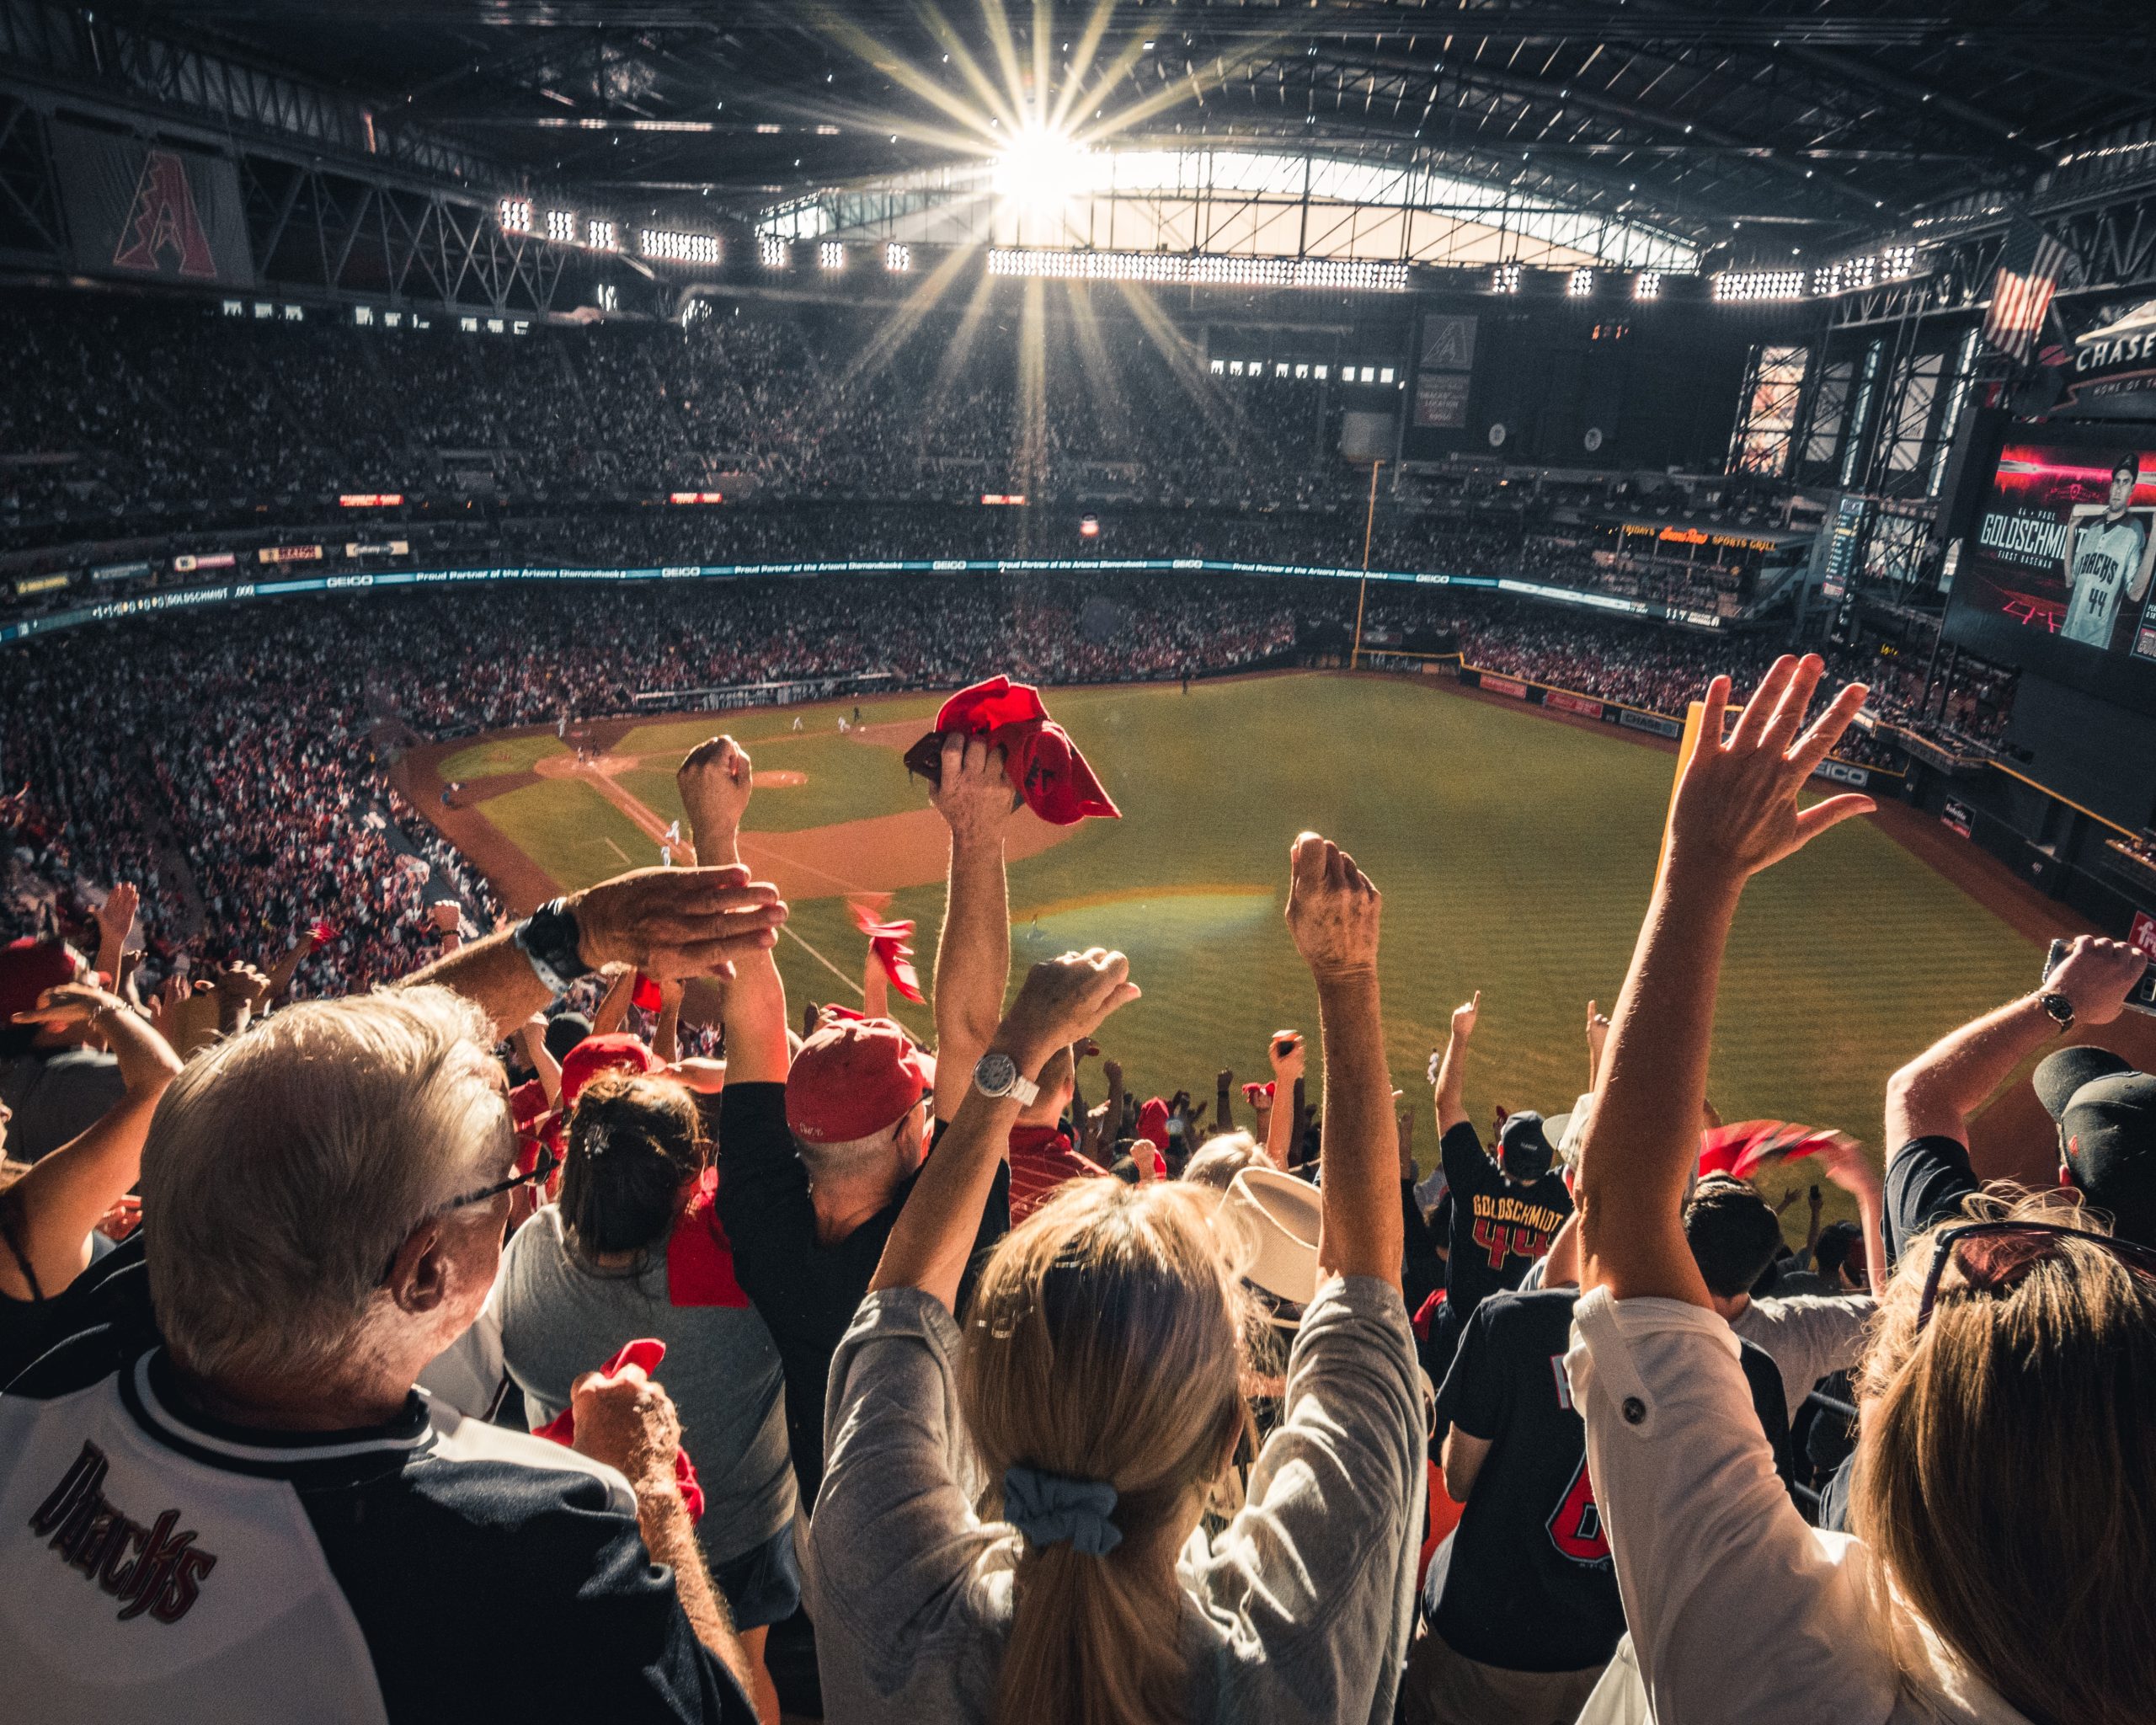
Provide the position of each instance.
(771, 252)
(1759, 285)
(561, 226)
(1648, 285)
(666, 246)
(1197, 270)
(601, 235)
(1042, 167)
(1581, 284)
(832, 254)
(1505, 279)
(515, 215)
(898, 257)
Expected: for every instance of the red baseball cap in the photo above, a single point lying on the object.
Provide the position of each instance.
(616, 1052)
(853, 1078)
(28, 968)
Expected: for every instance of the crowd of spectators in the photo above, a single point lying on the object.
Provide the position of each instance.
(844, 1377)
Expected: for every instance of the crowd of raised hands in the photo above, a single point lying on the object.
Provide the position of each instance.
(954, 1395)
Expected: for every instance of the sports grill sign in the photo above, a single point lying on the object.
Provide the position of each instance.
(143, 208)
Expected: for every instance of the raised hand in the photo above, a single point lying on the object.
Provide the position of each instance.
(1063, 998)
(1736, 811)
(115, 917)
(676, 922)
(1598, 1031)
(1843, 1161)
(2097, 975)
(974, 792)
(627, 1422)
(70, 1004)
(1464, 1017)
(1287, 1056)
(1332, 910)
(715, 779)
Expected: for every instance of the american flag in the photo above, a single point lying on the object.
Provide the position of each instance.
(2029, 266)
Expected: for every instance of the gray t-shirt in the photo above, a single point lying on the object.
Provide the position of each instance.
(560, 1319)
(1297, 1610)
(55, 1096)
(1807, 1338)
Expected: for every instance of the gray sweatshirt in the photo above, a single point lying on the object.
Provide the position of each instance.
(1299, 1610)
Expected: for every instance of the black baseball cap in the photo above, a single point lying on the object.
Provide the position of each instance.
(1524, 1147)
(2106, 1113)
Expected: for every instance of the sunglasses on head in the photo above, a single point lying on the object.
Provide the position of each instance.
(1994, 1255)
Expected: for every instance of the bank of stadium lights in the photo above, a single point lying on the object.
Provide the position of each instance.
(831, 256)
(515, 215)
(1759, 285)
(561, 226)
(1581, 284)
(665, 246)
(1505, 279)
(771, 252)
(898, 257)
(602, 235)
(1648, 285)
(1200, 270)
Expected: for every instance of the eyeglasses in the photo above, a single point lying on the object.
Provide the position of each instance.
(538, 1173)
(539, 1170)
(2003, 1253)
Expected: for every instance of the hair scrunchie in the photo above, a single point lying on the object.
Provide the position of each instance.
(1050, 1508)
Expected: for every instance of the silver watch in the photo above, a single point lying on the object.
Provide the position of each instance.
(997, 1075)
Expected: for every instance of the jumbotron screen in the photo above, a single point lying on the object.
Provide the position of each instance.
(2055, 577)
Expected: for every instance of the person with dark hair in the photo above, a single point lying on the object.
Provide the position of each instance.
(1505, 1207)
(1734, 1234)
(2106, 563)
(633, 1249)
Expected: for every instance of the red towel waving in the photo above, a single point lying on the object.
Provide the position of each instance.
(888, 941)
(1043, 764)
(699, 1259)
(1741, 1150)
(646, 1355)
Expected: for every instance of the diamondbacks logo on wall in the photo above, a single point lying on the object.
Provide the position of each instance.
(164, 226)
(152, 1568)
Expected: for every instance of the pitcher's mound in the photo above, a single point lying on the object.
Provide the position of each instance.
(568, 766)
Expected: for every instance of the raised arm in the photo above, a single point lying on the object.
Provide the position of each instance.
(1333, 915)
(1062, 1000)
(667, 923)
(716, 780)
(1936, 1095)
(1288, 1060)
(613, 1009)
(1735, 813)
(531, 1037)
(1845, 1165)
(1598, 1038)
(60, 1200)
(1452, 1065)
(286, 968)
(115, 920)
(973, 953)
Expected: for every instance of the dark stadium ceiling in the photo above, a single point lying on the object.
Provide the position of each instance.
(1820, 123)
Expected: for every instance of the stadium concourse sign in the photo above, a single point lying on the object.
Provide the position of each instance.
(238, 592)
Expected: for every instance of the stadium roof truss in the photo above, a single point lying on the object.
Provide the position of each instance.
(1243, 203)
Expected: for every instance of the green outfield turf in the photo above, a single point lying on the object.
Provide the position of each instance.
(1515, 853)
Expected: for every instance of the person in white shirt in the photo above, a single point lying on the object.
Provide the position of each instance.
(2005, 1509)
(2106, 563)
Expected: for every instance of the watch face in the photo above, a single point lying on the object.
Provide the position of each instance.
(995, 1074)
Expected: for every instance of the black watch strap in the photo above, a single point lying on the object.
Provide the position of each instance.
(2060, 1008)
(548, 937)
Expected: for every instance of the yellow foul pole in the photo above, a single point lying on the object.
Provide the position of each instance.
(1363, 592)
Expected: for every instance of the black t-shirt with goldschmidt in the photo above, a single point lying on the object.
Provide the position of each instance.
(1498, 1227)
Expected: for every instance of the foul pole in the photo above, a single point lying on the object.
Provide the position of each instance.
(1363, 590)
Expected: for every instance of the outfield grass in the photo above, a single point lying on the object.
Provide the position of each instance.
(1515, 854)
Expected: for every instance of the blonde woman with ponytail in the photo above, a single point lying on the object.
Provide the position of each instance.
(1009, 1526)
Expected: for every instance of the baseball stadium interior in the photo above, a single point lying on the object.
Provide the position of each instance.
(1146, 860)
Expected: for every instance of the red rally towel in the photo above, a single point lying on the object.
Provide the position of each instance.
(1043, 763)
(647, 1354)
(888, 941)
(1426, 1314)
(699, 1258)
(1741, 1150)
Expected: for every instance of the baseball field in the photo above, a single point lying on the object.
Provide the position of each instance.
(1515, 850)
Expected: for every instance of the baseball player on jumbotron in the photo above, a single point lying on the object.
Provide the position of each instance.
(2106, 563)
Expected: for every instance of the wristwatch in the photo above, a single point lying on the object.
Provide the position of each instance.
(548, 940)
(2060, 1008)
(997, 1076)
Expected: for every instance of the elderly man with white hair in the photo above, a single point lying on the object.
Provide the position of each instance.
(222, 1496)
